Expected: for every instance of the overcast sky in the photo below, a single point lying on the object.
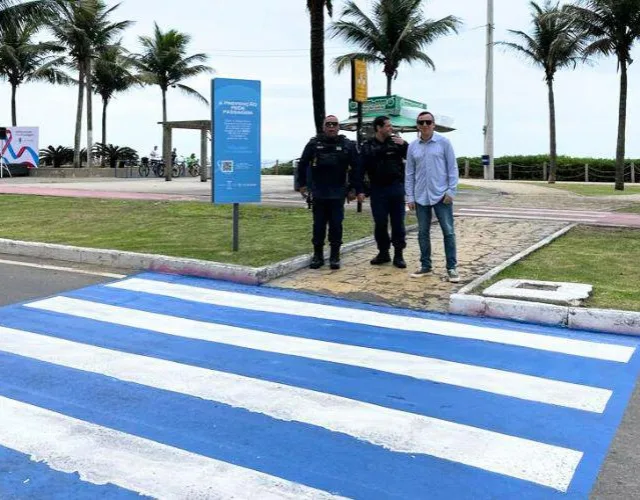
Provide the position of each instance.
(269, 41)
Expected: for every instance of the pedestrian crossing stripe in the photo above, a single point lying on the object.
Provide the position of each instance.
(286, 395)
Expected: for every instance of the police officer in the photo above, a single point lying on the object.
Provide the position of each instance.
(383, 158)
(323, 170)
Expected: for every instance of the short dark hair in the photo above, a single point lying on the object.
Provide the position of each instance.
(379, 122)
(422, 113)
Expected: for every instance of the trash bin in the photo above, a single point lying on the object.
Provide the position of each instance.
(296, 185)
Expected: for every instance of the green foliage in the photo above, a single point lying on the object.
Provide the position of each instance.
(56, 156)
(283, 169)
(114, 154)
(530, 167)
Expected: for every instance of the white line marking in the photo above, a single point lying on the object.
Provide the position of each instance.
(575, 347)
(507, 216)
(395, 430)
(502, 382)
(101, 455)
(62, 268)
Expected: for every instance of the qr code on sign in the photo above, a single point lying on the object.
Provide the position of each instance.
(226, 166)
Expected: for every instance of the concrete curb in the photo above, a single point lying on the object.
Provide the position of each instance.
(165, 263)
(579, 318)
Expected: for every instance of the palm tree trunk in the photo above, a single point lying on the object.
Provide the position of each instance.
(164, 105)
(553, 155)
(316, 15)
(89, 114)
(105, 103)
(78, 136)
(14, 120)
(622, 122)
(389, 78)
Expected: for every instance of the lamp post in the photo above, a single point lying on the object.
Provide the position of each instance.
(487, 159)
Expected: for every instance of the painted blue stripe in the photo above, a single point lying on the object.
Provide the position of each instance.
(22, 478)
(540, 422)
(557, 366)
(291, 450)
(267, 291)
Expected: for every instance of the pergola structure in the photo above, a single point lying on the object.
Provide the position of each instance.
(204, 126)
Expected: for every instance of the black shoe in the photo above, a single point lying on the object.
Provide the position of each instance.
(317, 261)
(398, 260)
(334, 258)
(381, 258)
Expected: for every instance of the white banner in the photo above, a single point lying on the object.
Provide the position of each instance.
(21, 147)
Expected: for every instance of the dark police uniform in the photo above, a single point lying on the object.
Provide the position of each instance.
(324, 171)
(383, 162)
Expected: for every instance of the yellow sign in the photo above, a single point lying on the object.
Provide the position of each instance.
(359, 80)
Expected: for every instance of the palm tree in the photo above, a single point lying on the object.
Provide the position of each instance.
(112, 73)
(553, 43)
(83, 27)
(164, 62)
(18, 11)
(396, 32)
(612, 27)
(22, 60)
(316, 19)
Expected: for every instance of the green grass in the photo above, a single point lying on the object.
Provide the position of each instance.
(182, 229)
(632, 209)
(469, 187)
(595, 189)
(606, 258)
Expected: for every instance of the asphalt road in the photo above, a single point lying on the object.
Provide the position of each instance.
(22, 278)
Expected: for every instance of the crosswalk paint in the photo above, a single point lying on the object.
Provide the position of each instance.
(361, 402)
(434, 327)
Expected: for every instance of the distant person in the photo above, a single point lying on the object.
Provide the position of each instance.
(431, 181)
(383, 161)
(154, 155)
(323, 170)
(174, 156)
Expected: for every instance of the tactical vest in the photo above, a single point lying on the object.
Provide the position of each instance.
(329, 163)
(384, 163)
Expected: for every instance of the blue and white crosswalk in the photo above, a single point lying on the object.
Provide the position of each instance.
(175, 387)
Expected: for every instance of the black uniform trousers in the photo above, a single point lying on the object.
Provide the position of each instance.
(388, 205)
(327, 211)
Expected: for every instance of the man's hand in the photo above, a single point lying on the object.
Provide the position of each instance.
(361, 197)
(303, 190)
(397, 140)
(447, 200)
(411, 205)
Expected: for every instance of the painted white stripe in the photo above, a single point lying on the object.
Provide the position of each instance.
(549, 211)
(468, 213)
(507, 383)
(395, 430)
(575, 347)
(62, 268)
(592, 213)
(101, 455)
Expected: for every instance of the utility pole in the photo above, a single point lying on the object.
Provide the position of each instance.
(487, 159)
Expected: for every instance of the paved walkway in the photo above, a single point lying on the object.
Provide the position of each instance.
(482, 245)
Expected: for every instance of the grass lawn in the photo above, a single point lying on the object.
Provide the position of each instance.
(594, 189)
(182, 229)
(632, 209)
(607, 258)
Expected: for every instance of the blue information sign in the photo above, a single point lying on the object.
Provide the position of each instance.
(235, 164)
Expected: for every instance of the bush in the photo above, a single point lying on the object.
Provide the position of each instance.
(283, 169)
(531, 168)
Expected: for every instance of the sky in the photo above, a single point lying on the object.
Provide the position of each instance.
(269, 41)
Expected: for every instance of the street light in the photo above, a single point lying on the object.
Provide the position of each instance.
(487, 159)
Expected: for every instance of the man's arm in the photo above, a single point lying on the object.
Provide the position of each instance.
(303, 166)
(410, 177)
(357, 171)
(452, 170)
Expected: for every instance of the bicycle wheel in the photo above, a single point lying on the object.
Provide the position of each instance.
(143, 170)
(194, 170)
(175, 171)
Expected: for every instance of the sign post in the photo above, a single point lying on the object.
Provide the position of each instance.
(359, 95)
(18, 146)
(235, 144)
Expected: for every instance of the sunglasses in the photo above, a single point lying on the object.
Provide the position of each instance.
(425, 122)
(331, 124)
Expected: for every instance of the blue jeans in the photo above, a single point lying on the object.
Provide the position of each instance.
(444, 213)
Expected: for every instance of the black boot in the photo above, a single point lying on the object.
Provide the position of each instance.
(334, 258)
(398, 259)
(317, 261)
(382, 258)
